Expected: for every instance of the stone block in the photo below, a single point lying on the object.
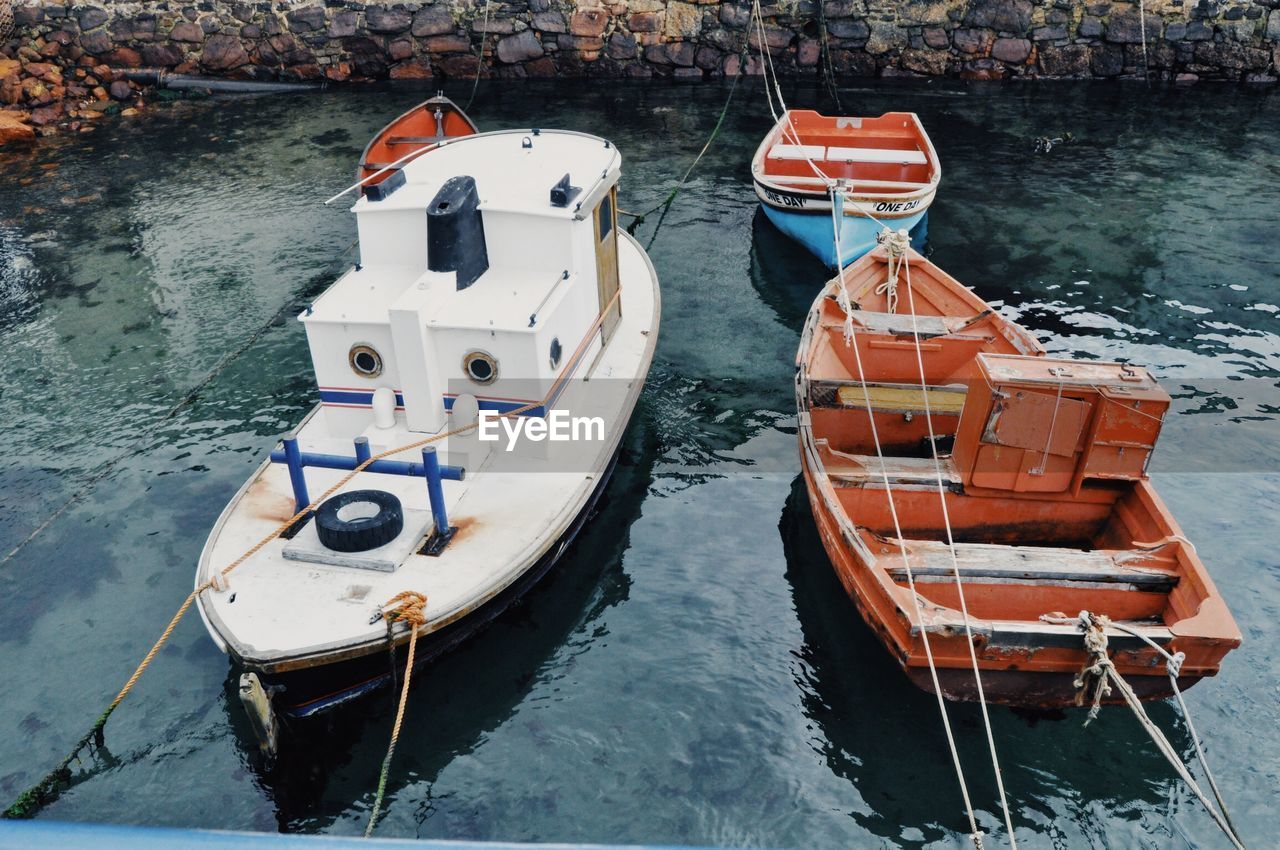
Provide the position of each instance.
(162, 55)
(936, 37)
(410, 71)
(621, 46)
(684, 20)
(849, 28)
(971, 41)
(1049, 33)
(224, 53)
(1013, 50)
(433, 20)
(307, 19)
(590, 22)
(932, 62)
(1107, 60)
(549, 22)
(645, 21)
(1071, 60)
(1003, 15)
(520, 47)
(387, 19)
(89, 17)
(1126, 27)
(186, 31)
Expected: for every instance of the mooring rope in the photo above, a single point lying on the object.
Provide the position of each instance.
(898, 245)
(665, 204)
(484, 34)
(1099, 674)
(975, 834)
(409, 606)
(48, 788)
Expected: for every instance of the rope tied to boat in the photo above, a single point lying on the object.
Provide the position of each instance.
(29, 803)
(1097, 669)
(1100, 672)
(407, 606)
(895, 244)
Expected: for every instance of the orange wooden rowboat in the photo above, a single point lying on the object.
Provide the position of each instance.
(1043, 468)
(424, 126)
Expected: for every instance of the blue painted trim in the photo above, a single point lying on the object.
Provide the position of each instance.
(23, 835)
(499, 406)
(813, 231)
(353, 397)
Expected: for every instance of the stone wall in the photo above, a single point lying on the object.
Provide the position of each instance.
(338, 40)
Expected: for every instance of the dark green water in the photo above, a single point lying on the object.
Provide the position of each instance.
(692, 673)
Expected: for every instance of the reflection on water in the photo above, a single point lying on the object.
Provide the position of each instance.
(692, 672)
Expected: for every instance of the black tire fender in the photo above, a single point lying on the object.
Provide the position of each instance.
(359, 520)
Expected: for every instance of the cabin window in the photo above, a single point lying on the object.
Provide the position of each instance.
(556, 352)
(606, 216)
(365, 360)
(480, 367)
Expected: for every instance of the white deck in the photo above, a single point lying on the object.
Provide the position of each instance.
(280, 613)
(286, 610)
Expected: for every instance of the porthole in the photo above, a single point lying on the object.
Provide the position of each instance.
(365, 361)
(556, 351)
(480, 367)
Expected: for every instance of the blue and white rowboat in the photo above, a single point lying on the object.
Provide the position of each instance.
(885, 169)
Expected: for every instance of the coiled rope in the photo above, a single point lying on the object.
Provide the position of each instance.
(50, 786)
(408, 606)
(1098, 676)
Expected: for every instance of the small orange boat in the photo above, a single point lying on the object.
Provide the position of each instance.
(424, 126)
(1042, 464)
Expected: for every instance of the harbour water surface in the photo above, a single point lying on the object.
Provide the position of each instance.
(692, 672)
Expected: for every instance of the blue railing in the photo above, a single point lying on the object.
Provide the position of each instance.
(430, 469)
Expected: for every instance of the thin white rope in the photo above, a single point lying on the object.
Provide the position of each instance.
(974, 833)
(1101, 666)
(1173, 666)
(1053, 423)
(903, 259)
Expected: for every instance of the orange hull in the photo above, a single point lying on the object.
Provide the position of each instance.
(1042, 464)
(419, 129)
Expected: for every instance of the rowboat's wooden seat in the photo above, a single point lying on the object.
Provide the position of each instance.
(931, 562)
(798, 152)
(880, 155)
(822, 153)
(868, 470)
(888, 398)
(902, 324)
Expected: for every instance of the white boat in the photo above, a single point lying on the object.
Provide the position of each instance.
(493, 279)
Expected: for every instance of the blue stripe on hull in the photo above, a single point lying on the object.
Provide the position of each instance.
(813, 231)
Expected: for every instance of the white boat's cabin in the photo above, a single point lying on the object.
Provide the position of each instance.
(488, 268)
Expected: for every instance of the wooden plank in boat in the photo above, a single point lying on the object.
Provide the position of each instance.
(888, 398)
(866, 469)
(932, 560)
(413, 140)
(903, 157)
(899, 324)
